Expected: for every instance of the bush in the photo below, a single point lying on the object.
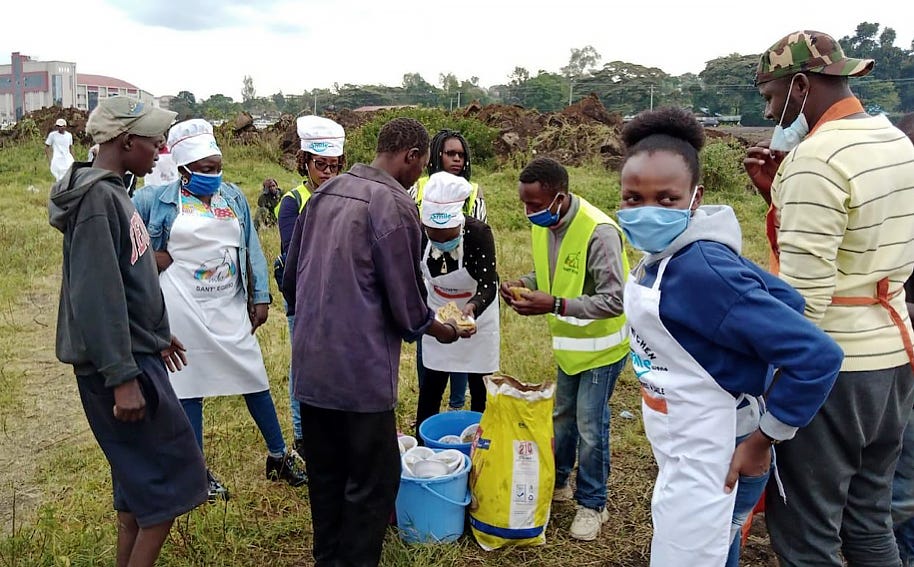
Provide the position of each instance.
(722, 167)
(361, 143)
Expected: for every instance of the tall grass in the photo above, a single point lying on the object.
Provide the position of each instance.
(268, 523)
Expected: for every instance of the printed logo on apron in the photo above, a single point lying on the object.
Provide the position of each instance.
(217, 275)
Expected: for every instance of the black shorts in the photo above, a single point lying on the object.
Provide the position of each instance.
(157, 469)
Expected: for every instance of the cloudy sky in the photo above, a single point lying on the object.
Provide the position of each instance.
(207, 46)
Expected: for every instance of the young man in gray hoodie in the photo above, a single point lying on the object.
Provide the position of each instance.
(112, 327)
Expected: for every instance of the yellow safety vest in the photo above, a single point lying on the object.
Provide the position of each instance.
(300, 194)
(467, 205)
(578, 344)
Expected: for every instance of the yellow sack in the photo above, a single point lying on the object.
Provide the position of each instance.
(513, 458)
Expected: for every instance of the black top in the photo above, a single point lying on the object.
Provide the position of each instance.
(478, 258)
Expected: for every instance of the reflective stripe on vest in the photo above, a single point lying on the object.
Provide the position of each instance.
(300, 194)
(578, 344)
(467, 206)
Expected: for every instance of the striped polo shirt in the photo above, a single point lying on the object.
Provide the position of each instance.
(845, 198)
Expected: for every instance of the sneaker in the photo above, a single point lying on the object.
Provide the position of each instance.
(562, 494)
(216, 490)
(287, 469)
(587, 522)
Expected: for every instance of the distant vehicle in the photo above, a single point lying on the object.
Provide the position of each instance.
(262, 123)
(709, 121)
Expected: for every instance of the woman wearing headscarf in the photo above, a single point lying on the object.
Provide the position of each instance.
(320, 159)
(214, 279)
(459, 266)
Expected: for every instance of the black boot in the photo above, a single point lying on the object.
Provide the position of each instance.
(285, 468)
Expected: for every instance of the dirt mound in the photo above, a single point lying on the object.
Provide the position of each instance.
(38, 123)
(580, 133)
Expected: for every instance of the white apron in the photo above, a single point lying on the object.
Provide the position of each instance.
(690, 422)
(207, 309)
(60, 163)
(478, 354)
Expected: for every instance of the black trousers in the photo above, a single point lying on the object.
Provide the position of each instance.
(353, 465)
(432, 390)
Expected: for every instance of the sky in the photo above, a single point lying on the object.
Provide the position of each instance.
(208, 46)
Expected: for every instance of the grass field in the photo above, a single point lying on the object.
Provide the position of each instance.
(55, 493)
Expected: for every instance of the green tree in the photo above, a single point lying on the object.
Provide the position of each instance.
(628, 88)
(892, 64)
(185, 104)
(248, 93)
(515, 93)
(728, 87)
(545, 92)
(280, 101)
(219, 107)
(419, 91)
(580, 64)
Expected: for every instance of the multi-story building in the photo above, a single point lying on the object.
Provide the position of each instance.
(92, 88)
(27, 84)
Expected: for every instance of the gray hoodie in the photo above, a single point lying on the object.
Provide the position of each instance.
(111, 306)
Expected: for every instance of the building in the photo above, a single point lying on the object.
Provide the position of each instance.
(165, 101)
(383, 107)
(27, 84)
(92, 88)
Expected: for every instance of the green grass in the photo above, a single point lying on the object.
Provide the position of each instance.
(266, 523)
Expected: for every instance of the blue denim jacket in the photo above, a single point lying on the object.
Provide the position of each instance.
(158, 206)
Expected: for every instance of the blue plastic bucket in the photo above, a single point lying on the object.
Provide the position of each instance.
(448, 423)
(432, 510)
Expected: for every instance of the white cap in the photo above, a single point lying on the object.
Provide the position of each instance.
(443, 198)
(60, 122)
(320, 136)
(192, 140)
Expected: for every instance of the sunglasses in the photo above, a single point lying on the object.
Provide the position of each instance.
(454, 153)
(326, 166)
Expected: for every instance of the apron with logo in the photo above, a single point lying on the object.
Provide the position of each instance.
(690, 422)
(207, 309)
(478, 354)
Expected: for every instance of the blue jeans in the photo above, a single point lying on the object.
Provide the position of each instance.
(903, 496)
(459, 380)
(294, 406)
(260, 406)
(581, 421)
(748, 492)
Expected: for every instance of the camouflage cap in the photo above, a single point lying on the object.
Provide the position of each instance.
(808, 52)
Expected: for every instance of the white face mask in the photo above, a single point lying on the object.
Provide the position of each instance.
(786, 139)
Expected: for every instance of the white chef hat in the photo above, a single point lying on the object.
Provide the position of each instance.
(320, 136)
(443, 198)
(192, 140)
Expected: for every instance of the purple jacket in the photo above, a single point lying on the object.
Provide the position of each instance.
(358, 290)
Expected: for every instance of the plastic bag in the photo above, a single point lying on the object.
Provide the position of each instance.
(513, 460)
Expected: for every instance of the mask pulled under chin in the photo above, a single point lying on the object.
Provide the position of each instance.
(447, 246)
(786, 139)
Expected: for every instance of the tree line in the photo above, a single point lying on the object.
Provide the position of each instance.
(725, 87)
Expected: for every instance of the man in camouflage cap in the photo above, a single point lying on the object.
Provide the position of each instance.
(808, 52)
(841, 229)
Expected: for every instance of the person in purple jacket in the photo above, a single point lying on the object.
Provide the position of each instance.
(353, 276)
(708, 328)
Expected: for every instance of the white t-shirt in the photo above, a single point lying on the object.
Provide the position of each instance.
(60, 143)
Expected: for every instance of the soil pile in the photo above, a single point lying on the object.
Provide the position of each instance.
(39, 123)
(582, 132)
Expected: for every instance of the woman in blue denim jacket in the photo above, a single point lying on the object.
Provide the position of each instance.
(214, 279)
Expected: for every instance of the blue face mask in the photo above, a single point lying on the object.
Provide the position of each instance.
(448, 246)
(546, 218)
(203, 184)
(652, 229)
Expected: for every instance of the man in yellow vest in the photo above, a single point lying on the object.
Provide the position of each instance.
(580, 269)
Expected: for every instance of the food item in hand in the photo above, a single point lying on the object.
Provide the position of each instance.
(451, 311)
(518, 291)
